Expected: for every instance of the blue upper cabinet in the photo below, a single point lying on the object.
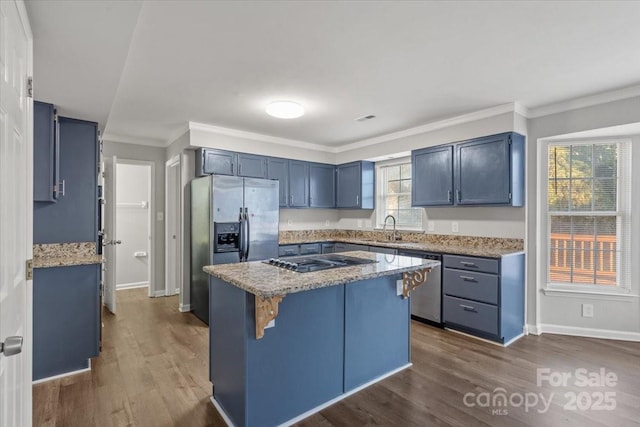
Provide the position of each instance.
(298, 184)
(46, 154)
(432, 178)
(279, 169)
(252, 166)
(216, 162)
(322, 185)
(490, 170)
(355, 185)
(486, 171)
(74, 218)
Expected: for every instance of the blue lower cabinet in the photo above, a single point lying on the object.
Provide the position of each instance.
(66, 319)
(295, 367)
(374, 344)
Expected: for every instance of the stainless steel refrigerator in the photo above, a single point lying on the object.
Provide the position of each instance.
(233, 219)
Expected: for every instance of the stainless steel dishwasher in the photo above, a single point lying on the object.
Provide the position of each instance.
(426, 300)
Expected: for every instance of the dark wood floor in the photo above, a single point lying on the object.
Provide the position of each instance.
(153, 371)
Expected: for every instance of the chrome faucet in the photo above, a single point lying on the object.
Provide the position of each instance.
(394, 235)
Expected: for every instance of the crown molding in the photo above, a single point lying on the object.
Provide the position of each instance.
(585, 101)
(133, 140)
(430, 127)
(258, 137)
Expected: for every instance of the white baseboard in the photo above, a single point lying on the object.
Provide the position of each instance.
(67, 374)
(185, 308)
(159, 293)
(132, 285)
(589, 332)
(318, 408)
(533, 329)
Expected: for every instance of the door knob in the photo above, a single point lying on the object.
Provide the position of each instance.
(11, 346)
(111, 242)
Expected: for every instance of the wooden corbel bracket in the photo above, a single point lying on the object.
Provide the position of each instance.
(266, 311)
(413, 279)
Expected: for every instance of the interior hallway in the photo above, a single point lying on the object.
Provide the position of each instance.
(153, 371)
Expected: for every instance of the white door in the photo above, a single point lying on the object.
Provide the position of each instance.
(172, 209)
(109, 240)
(16, 212)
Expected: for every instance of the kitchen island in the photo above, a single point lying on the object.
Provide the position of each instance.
(284, 344)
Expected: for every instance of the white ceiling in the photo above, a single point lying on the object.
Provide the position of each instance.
(143, 70)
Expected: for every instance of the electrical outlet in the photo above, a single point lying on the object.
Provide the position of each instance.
(327, 223)
(587, 310)
(399, 287)
(454, 227)
(367, 224)
(431, 226)
(289, 222)
(160, 216)
(359, 223)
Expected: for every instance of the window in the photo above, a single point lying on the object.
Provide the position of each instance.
(588, 214)
(394, 193)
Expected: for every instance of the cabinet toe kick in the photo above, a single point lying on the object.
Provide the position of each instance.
(413, 279)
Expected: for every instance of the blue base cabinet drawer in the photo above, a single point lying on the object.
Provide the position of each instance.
(471, 314)
(310, 249)
(485, 265)
(484, 296)
(469, 284)
(288, 250)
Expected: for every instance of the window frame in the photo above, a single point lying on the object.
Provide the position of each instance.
(381, 208)
(622, 213)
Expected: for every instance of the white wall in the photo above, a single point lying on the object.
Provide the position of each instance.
(132, 224)
(614, 317)
(155, 155)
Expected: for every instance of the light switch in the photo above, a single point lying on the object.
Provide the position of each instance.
(454, 226)
(160, 216)
(431, 226)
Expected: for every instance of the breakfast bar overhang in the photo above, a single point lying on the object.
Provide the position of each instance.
(285, 344)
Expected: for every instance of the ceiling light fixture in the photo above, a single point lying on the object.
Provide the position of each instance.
(285, 109)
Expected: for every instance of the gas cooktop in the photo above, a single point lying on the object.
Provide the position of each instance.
(308, 264)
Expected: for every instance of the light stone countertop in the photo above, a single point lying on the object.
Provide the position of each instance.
(65, 254)
(267, 280)
(491, 247)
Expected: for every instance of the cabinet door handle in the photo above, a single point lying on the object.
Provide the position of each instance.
(449, 196)
(468, 278)
(61, 188)
(468, 264)
(459, 193)
(357, 200)
(291, 198)
(468, 308)
(239, 168)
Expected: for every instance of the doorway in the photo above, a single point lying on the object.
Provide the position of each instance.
(134, 208)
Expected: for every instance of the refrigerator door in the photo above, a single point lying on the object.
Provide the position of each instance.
(226, 202)
(261, 201)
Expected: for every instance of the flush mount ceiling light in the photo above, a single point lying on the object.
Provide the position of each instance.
(285, 109)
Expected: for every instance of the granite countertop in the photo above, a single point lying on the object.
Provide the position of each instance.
(490, 247)
(65, 254)
(267, 281)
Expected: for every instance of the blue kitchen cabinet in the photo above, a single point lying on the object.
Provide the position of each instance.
(322, 185)
(66, 319)
(355, 185)
(347, 247)
(46, 152)
(490, 170)
(252, 166)
(218, 162)
(298, 184)
(486, 171)
(432, 178)
(328, 248)
(484, 296)
(288, 250)
(279, 169)
(74, 218)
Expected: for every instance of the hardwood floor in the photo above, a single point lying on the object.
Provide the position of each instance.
(153, 371)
